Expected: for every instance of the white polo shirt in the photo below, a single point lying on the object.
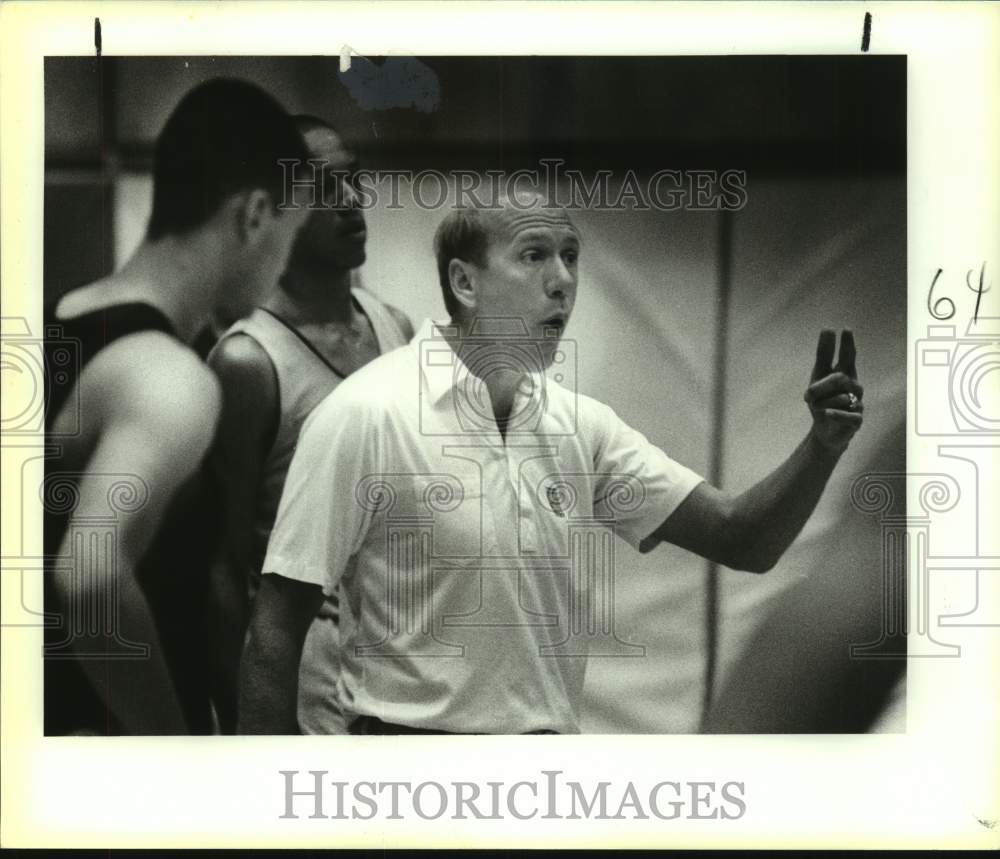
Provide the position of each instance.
(477, 573)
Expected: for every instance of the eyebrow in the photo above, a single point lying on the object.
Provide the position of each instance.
(534, 234)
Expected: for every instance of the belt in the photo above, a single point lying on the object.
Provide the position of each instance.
(369, 725)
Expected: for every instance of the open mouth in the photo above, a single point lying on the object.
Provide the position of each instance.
(554, 325)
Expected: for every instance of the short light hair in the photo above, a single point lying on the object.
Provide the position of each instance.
(464, 234)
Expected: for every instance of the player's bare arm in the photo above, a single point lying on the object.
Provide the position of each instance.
(269, 672)
(247, 427)
(143, 424)
(752, 530)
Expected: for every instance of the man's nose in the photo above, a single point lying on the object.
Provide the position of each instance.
(562, 280)
(343, 198)
(349, 198)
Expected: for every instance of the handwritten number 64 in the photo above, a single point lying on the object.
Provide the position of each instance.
(934, 306)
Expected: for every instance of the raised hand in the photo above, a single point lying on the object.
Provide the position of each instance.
(834, 394)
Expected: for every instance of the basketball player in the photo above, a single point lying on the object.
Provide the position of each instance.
(453, 556)
(275, 366)
(125, 656)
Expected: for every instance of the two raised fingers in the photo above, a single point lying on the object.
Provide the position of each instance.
(825, 348)
(848, 354)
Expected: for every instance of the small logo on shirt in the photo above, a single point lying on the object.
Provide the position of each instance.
(555, 500)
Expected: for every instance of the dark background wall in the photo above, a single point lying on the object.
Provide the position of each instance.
(774, 116)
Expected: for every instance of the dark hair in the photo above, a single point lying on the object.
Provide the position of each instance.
(225, 136)
(463, 235)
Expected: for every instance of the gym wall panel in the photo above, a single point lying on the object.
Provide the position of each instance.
(77, 233)
(72, 117)
(644, 324)
(808, 254)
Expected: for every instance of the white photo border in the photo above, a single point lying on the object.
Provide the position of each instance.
(934, 786)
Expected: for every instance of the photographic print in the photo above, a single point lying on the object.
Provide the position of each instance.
(724, 211)
(621, 396)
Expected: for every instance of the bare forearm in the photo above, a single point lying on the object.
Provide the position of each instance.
(269, 688)
(138, 691)
(770, 515)
(229, 614)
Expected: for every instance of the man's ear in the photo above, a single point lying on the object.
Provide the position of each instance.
(461, 277)
(253, 213)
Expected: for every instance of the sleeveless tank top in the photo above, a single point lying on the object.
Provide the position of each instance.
(168, 575)
(304, 380)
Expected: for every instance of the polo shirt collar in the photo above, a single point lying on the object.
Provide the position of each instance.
(442, 368)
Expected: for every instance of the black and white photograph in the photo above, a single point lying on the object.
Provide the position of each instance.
(433, 395)
(663, 296)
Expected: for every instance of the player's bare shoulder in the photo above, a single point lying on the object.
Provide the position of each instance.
(238, 350)
(153, 379)
(239, 360)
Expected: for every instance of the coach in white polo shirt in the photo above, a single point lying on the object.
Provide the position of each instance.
(466, 505)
